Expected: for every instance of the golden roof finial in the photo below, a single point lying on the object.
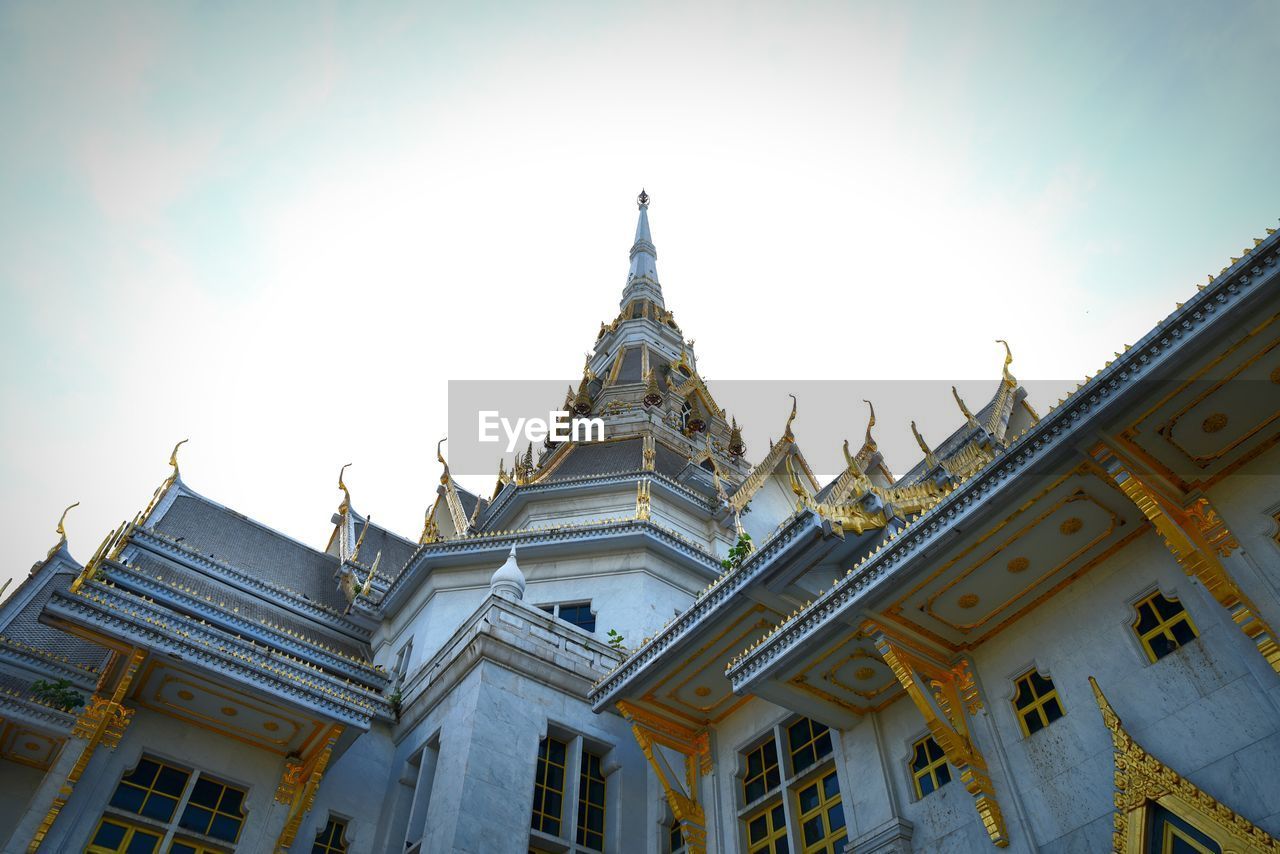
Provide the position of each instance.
(444, 476)
(968, 416)
(928, 454)
(870, 443)
(173, 457)
(1008, 360)
(786, 433)
(61, 529)
(346, 493)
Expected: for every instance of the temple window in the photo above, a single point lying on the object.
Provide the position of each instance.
(570, 771)
(576, 613)
(141, 814)
(1035, 702)
(1162, 625)
(792, 805)
(331, 838)
(929, 768)
(402, 660)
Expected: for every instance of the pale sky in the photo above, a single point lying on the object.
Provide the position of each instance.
(280, 229)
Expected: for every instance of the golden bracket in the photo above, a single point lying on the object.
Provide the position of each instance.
(945, 695)
(1199, 540)
(694, 746)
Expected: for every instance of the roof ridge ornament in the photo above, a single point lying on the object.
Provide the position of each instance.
(786, 432)
(1008, 360)
(643, 199)
(968, 416)
(173, 456)
(346, 493)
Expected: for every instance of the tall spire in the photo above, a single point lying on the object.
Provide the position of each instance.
(642, 280)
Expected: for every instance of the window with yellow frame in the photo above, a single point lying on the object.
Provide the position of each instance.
(822, 829)
(332, 838)
(929, 768)
(1162, 625)
(804, 786)
(591, 789)
(159, 792)
(1035, 702)
(767, 831)
(548, 786)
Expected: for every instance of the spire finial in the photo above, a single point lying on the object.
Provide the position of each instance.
(964, 410)
(643, 198)
(869, 443)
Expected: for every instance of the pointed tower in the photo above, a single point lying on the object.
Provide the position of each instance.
(642, 280)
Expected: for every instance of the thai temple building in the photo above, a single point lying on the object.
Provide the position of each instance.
(1055, 633)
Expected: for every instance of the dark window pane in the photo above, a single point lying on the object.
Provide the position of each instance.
(812, 830)
(1043, 686)
(1147, 619)
(556, 751)
(831, 785)
(224, 828)
(804, 757)
(159, 807)
(206, 793)
(171, 781)
(1033, 722)
(771, 778)
(926, 785)
(798, 733)
(835, 817)
(181, 848)
(920, 759)
(1162, 646)
(1052, 710)
(823, 744)
(781, 847)
(779, 817)
(770, 753)
(944, 774)
(758, 828)
(808, 798)
(754, 765)
(196, 818)
(1024, 697)
(754, 789)
(142, 843)
(232, 798)
(109, 835)
(127, 798)
(935, 749)
(1166, 608)
(144, 773)
(1182, 632)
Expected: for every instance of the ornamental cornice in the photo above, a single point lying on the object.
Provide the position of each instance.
(45, 663)
(1057, 427)
(708, 602)
(15, 707)
(129, 617)
(493, 540)
(298, 644)
(277, 594)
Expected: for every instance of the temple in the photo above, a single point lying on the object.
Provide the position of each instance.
(1054, 633)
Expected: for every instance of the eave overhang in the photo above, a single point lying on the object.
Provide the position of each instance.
(117, 618)
(1056, 438)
